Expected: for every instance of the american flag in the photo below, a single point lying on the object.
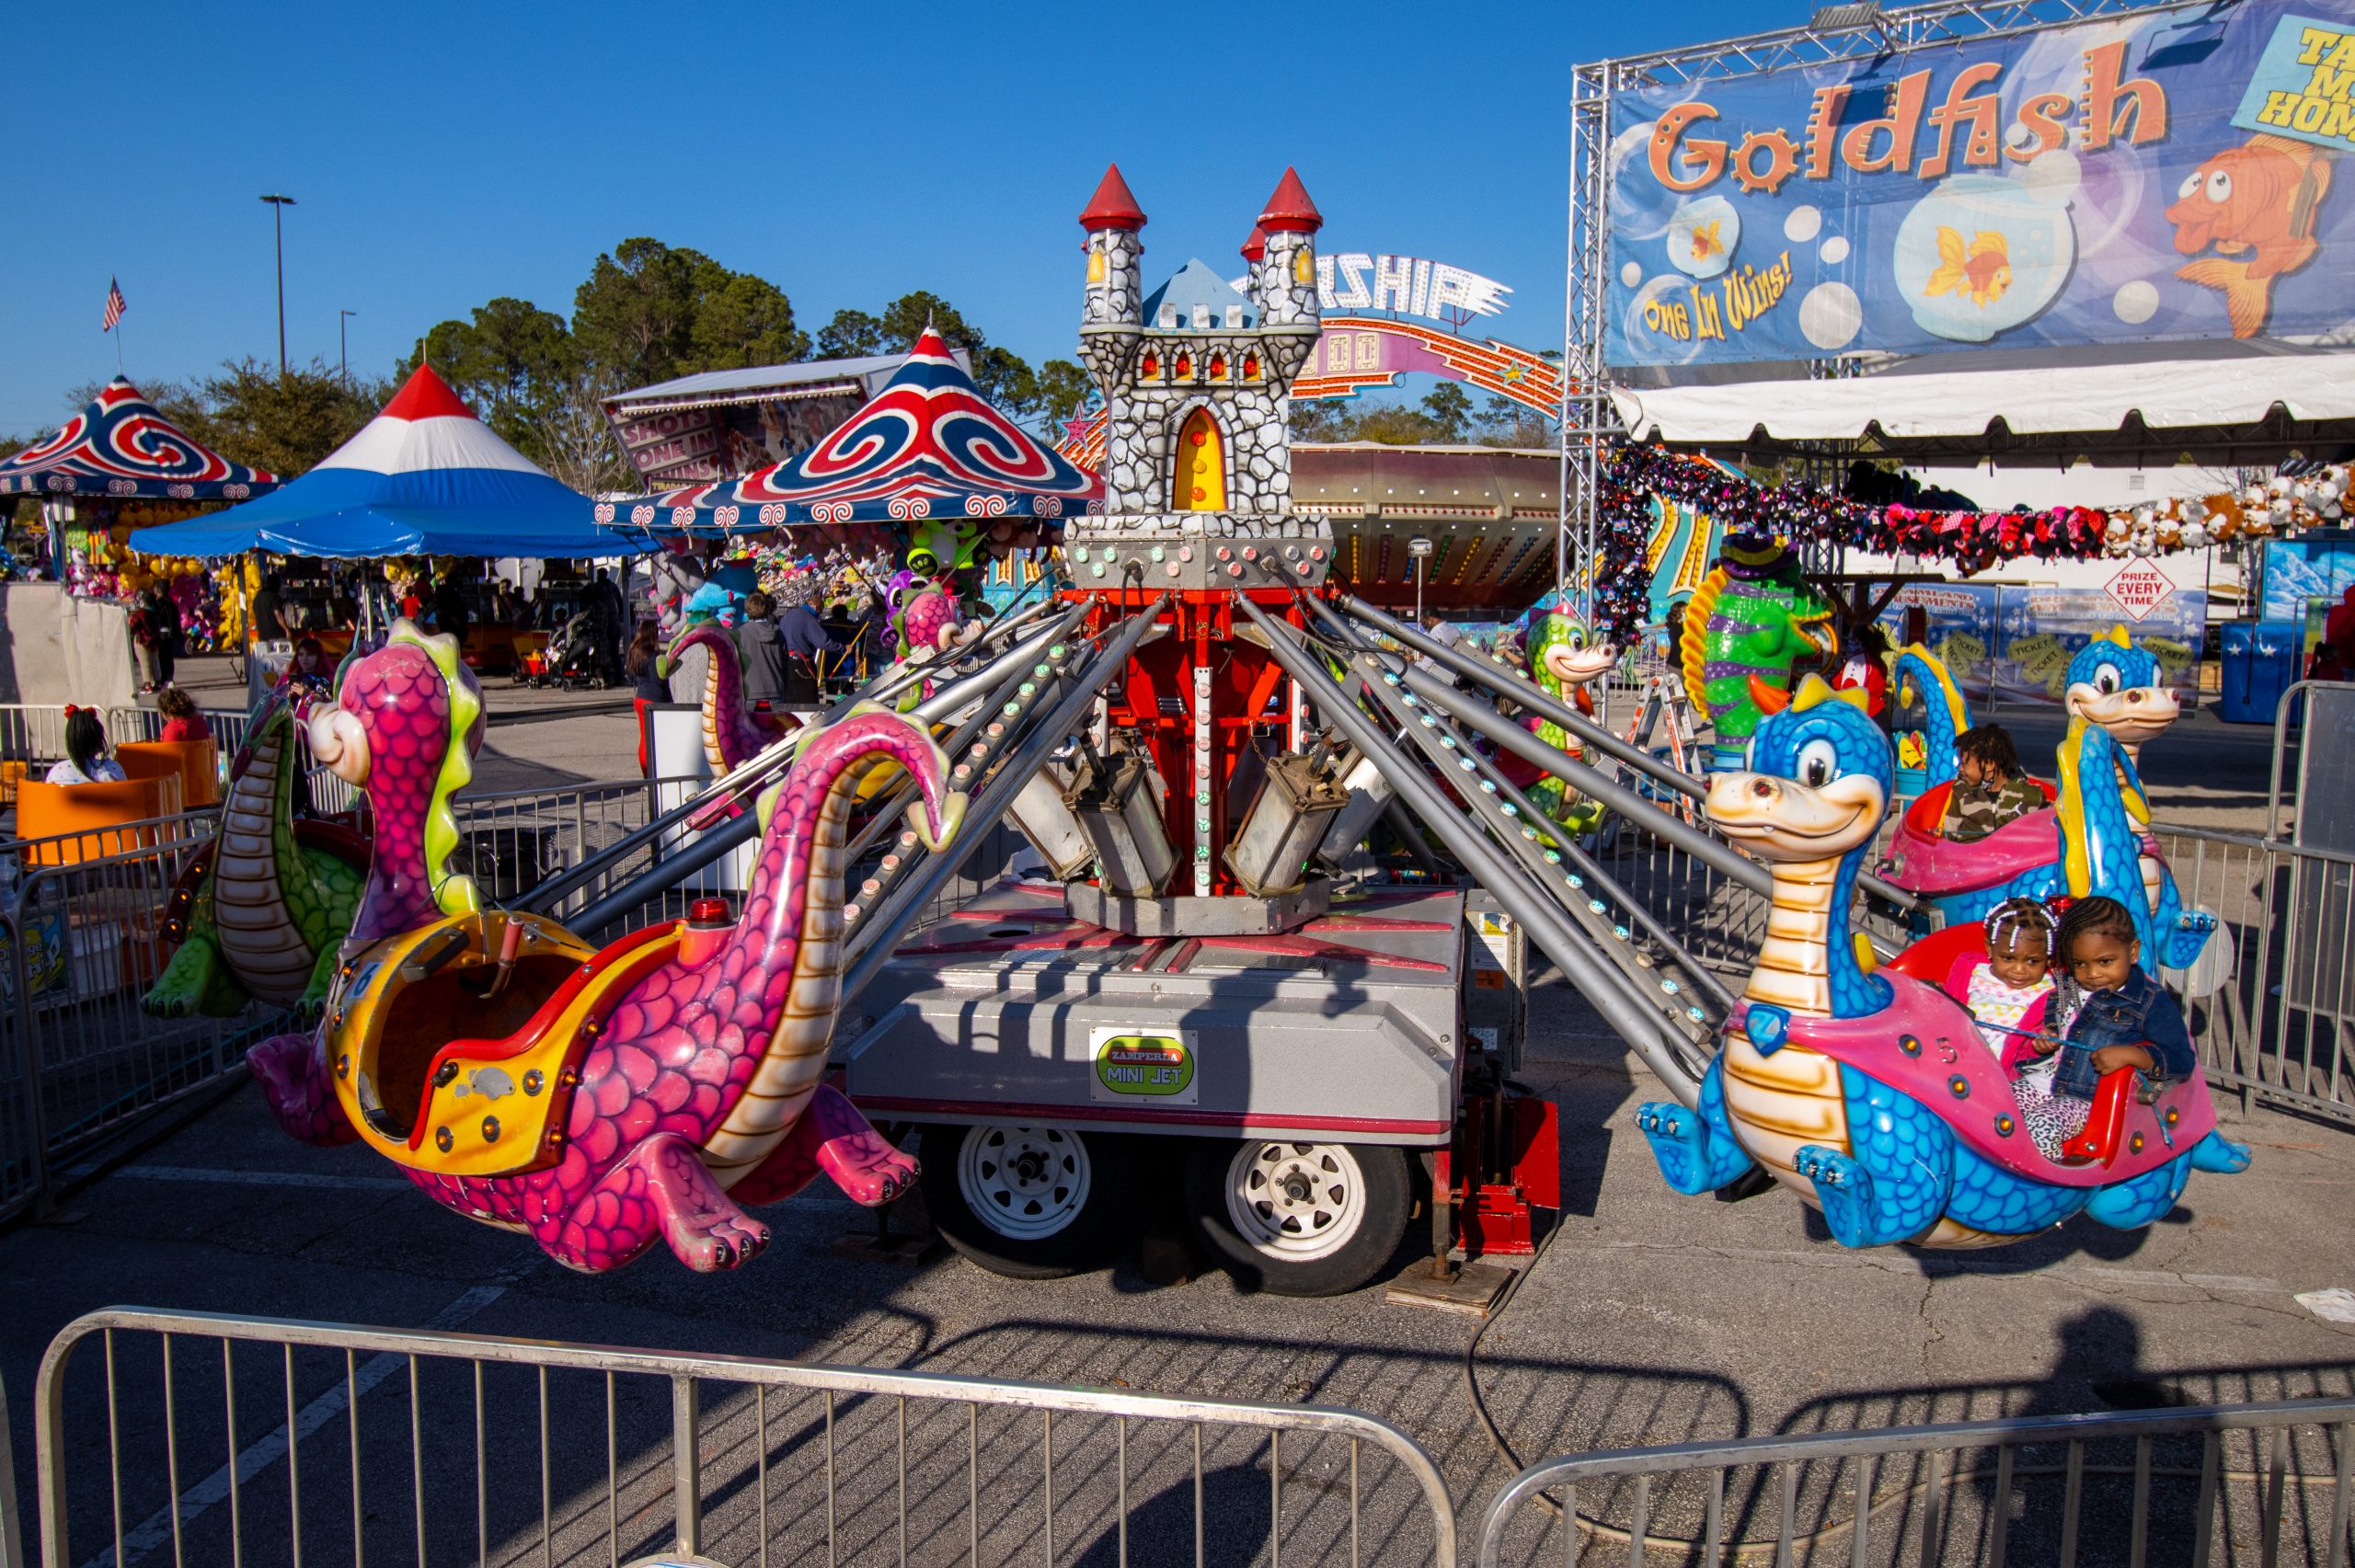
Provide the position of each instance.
(114, 306)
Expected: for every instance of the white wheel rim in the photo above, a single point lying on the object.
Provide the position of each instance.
(1025, 1183)
(1296, 1202)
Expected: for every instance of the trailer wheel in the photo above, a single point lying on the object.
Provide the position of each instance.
(1027, 1201)
(1299, 1219)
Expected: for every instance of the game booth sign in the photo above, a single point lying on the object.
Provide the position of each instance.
(2160, 174)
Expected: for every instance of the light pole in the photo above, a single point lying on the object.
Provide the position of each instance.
(343, 345)
(1420, 549)
(278, 205)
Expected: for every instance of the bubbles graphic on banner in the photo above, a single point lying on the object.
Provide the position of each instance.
(1803, 223)
(2052, 176)
(1834, 250)
(1701, 236)
(2136, 303)
(1631, 274)
(1831, 315)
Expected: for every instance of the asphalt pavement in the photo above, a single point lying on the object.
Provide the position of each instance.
(1650, 1319)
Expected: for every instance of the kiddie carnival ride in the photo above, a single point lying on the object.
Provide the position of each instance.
(1202, 985)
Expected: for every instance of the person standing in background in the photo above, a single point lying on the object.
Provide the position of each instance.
(269, 623)
(602, 601)
(808, 645)
(767, 674)
(648, 685)
(155, 629)
(450, 609)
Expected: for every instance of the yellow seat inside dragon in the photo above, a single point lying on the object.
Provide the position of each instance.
(450, 1061)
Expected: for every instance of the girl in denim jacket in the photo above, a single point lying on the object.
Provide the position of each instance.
(2110, 1014)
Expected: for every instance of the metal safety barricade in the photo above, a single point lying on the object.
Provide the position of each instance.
(193, 1438)
(32, 732)
(79, 1058)
(226, 726)
(2258, 1484)
(2271, 1005)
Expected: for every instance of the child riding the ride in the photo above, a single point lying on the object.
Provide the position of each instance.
(2009, 988)
(1990, 789)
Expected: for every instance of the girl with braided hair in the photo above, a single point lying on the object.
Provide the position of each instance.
(2008, 989)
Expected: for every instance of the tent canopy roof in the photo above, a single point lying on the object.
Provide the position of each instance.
(927, 445)
(424, 477)
(122, 446)
(2204, 399)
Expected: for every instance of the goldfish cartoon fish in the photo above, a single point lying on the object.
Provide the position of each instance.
(2255, 204)
(1705, 243)
(1982, 268)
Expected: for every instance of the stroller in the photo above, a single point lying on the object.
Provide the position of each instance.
(569, 662)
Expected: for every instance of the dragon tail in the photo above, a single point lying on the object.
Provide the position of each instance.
(1948, 718)
(1693, 648)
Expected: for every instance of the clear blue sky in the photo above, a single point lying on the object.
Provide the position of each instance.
(444, 154)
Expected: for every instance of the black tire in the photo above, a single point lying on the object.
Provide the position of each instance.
(1272, 1243)
(1027, 1201)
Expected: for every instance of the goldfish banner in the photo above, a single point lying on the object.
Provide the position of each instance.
(2159, 174)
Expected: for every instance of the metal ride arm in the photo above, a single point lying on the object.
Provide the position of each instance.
(758, 771)
(1527, 692)
(1448, 754)
(1593, 888)
(868, 945)
(716, 842)
(1643, 1028)
(1510, 683)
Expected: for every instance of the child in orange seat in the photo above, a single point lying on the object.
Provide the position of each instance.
(1988, 787)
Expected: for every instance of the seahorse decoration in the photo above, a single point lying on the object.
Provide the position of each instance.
(1871, 1094)
(1752, 618)
(2116, 699)
(1565, 657)
(645, 1091)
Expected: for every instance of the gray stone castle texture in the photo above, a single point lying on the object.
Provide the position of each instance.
(1155, 376)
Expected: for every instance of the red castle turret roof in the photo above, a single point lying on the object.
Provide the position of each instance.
(1112, 207)
(1255, 247)
(1290, 208)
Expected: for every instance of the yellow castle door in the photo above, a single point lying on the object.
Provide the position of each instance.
(1201, 465)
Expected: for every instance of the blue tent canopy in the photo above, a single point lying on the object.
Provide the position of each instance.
(424, 477)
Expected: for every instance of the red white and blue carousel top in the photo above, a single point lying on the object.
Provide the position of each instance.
(122, 446)
(927, 446)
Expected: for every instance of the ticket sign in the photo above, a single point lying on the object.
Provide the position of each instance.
(1144, 1066)
(2159, 174)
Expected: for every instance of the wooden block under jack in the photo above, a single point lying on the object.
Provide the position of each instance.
(1472, 1291)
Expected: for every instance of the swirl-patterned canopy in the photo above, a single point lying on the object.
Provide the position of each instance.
(926, 447)
(121, 447)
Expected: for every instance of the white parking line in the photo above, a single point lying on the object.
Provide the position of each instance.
(263, 1453)
(264, 1178)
